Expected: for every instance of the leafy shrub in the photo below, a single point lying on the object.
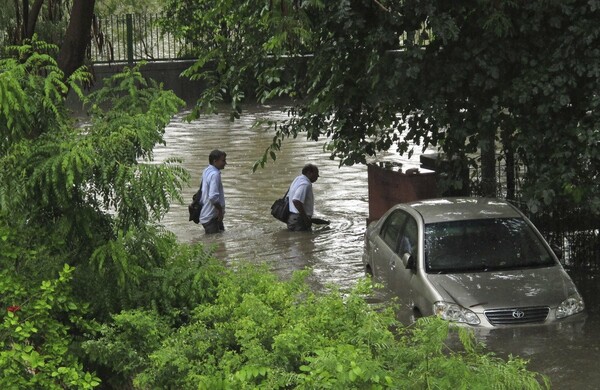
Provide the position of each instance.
(266, 333)
(35, 346)
(133, 335)
(87, 194)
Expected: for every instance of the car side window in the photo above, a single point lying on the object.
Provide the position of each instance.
(390, 232)
(408, 237)
(399, 232)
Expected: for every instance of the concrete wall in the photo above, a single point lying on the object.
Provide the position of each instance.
(166, 72)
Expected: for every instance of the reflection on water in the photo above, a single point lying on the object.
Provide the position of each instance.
(567, 353)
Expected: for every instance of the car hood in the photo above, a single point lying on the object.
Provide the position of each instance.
(502, 289)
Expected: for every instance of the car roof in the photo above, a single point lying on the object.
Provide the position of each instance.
(458, 209)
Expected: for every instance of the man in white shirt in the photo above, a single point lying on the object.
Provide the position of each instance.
(301, 199)
(213, 197)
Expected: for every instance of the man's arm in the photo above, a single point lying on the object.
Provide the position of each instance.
(300, 206)
(214, 196)
(219, 209)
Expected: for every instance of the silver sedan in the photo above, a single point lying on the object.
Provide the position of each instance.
(476, 261)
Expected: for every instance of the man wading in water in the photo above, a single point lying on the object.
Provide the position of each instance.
(213, 197)
(301, 198)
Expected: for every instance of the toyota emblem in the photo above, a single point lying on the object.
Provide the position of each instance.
(518, 314)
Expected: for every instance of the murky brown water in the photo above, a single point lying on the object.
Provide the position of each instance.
(333, 252)
(569, 354)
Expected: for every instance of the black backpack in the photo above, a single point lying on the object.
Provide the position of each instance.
(195, 207)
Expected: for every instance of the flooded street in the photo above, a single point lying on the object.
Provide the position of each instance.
(251, 233)
(567, 353)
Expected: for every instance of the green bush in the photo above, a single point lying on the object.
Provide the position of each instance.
(133, 336)
(271, 334)
(86, 193)
(35, 347)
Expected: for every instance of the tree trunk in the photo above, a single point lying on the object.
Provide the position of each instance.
(488, 164)
(31, 18)
(17, 33)
(509, 155)
(510, 173)
(77, 37)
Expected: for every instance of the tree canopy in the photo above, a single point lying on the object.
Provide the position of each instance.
(483, 81)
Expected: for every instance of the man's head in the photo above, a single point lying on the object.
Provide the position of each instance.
(311, 171)
(217, 158)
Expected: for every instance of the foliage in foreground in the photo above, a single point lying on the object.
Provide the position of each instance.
(35, 335)
(265, 333)
(86, 193)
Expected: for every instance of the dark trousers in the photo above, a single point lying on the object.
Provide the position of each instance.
(296, 224)
(213, 226)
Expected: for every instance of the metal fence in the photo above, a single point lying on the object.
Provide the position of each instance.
(576, 233)
(134, 37)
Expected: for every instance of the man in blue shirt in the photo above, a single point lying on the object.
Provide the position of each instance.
(302, 200)
(213, 197)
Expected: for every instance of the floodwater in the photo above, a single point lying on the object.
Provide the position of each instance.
(568, 353)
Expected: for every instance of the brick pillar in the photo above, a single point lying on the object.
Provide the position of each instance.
(388, 187)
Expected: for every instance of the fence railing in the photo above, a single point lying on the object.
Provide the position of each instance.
(133, 37)
(575, 233)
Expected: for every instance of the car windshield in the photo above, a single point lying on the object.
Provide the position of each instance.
(483, 245)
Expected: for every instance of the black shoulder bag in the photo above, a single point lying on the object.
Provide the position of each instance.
(281, 208)
(195, 207)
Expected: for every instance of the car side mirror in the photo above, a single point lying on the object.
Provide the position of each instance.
(409, 261)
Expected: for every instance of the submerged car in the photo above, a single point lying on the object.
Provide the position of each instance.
(476, 261)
